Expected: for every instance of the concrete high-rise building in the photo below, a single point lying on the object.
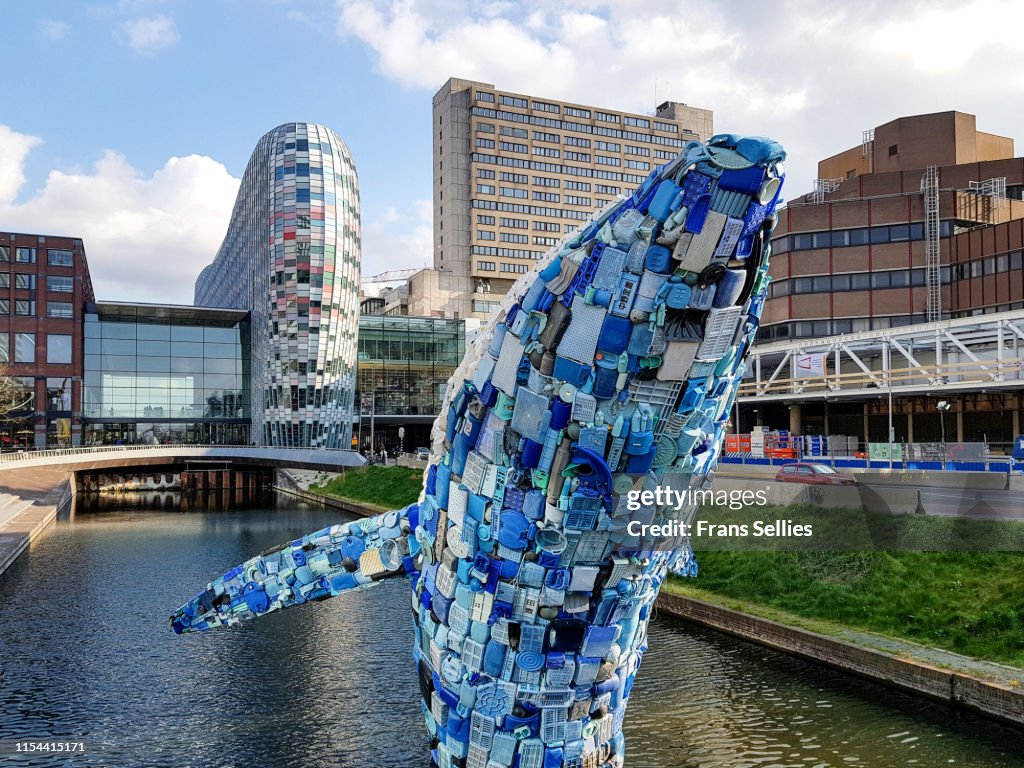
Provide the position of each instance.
(513, 173)
(291, 256)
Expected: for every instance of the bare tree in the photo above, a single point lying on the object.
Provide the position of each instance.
(14, 395)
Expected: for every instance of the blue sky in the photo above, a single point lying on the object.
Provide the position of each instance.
(129, 122)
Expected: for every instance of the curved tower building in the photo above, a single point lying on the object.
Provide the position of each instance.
(291, 256)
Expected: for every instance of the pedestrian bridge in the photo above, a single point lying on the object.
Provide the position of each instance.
(115, 456)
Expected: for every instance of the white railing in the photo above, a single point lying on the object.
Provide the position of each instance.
(56, 453)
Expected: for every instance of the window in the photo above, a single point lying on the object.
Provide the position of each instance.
(24, 281)
(484, 173)
(579, 157)
(512, 101)
(514, 237)
(518, 268)
(548, 241)
(485, 127)
(515, 178)
(25, 255)
(551, 138)
(574, 200)
(544, 226)
(880, 280)
(546, 197)
(485, 307)
(58, 348)
(576, 141)
(519, 133)
(642, 151)
(545, 181)
(485, 266)
(574, 112)
(59, 309)
(482, 96)
(514, 223)
(638, 122)
(24, 307)
(60, 284)
(604, 189)
(546, 152)
(670, 127)
(5, 309)
(5, 279)
(510, 146)
(5, 253)
(488, 220)
(607, 146)
(606, 117)
(789, 469)
(544, 107)
(860, 282)
(485, 143)
(510, 192)
(484, 235)
(485, 189)
(24, 347)
(602, 160)
(640, 165)
(578, 186)
(60, 258)
(893, 149)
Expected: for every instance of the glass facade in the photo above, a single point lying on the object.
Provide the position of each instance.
(404, 366)
(291, 256)
(159, 374)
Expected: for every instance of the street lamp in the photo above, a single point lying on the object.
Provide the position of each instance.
(942, 407)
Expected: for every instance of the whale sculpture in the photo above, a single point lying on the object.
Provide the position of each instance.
(609, 369)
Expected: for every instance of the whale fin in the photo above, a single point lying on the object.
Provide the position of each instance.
(342, 558)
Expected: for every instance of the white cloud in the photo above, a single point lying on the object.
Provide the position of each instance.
(14, 148)
(812, 75)
(146, 237)
(53, 30)
(398, 239)
(148, 35)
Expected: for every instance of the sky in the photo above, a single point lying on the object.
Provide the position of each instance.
(128, 123)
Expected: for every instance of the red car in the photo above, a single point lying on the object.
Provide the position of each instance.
(812, 473)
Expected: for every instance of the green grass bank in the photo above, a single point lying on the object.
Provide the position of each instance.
(968, 602)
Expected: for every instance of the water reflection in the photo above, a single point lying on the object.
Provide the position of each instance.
(86, 653)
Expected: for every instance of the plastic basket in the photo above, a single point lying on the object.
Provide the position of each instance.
(579, 342)
(552, 725)
(719, 332)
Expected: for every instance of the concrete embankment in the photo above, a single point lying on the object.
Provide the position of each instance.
(991, 689)
(30, 500)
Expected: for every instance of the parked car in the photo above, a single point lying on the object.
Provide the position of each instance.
(813, 473)
(423, 453)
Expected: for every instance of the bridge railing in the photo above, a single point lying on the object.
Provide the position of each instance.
(15, 457)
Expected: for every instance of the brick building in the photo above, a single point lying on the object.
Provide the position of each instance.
(44, 284)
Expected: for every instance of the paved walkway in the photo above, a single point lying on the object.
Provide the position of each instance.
(28, 506)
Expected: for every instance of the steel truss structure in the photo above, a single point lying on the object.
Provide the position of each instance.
(962, 355)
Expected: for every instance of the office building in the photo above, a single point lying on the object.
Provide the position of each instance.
(404, 366)
(897, 285)
(44, 281)
(854, 254)
(165, 374)
(513, 173)
(291, 257)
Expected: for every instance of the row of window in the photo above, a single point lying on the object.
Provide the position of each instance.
(27, 308)
(568, 170)
(842, 238)
(58, 348)
(512, 253)
(532, 210)
(519, 103)
(566, 125)
(27, 281)
(809, 329)
(856, 281)
(1002, 264)
(55, 257)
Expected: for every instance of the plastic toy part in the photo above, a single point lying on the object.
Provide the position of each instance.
(608, 369)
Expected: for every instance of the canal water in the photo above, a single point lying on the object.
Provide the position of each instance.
(86, 654)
